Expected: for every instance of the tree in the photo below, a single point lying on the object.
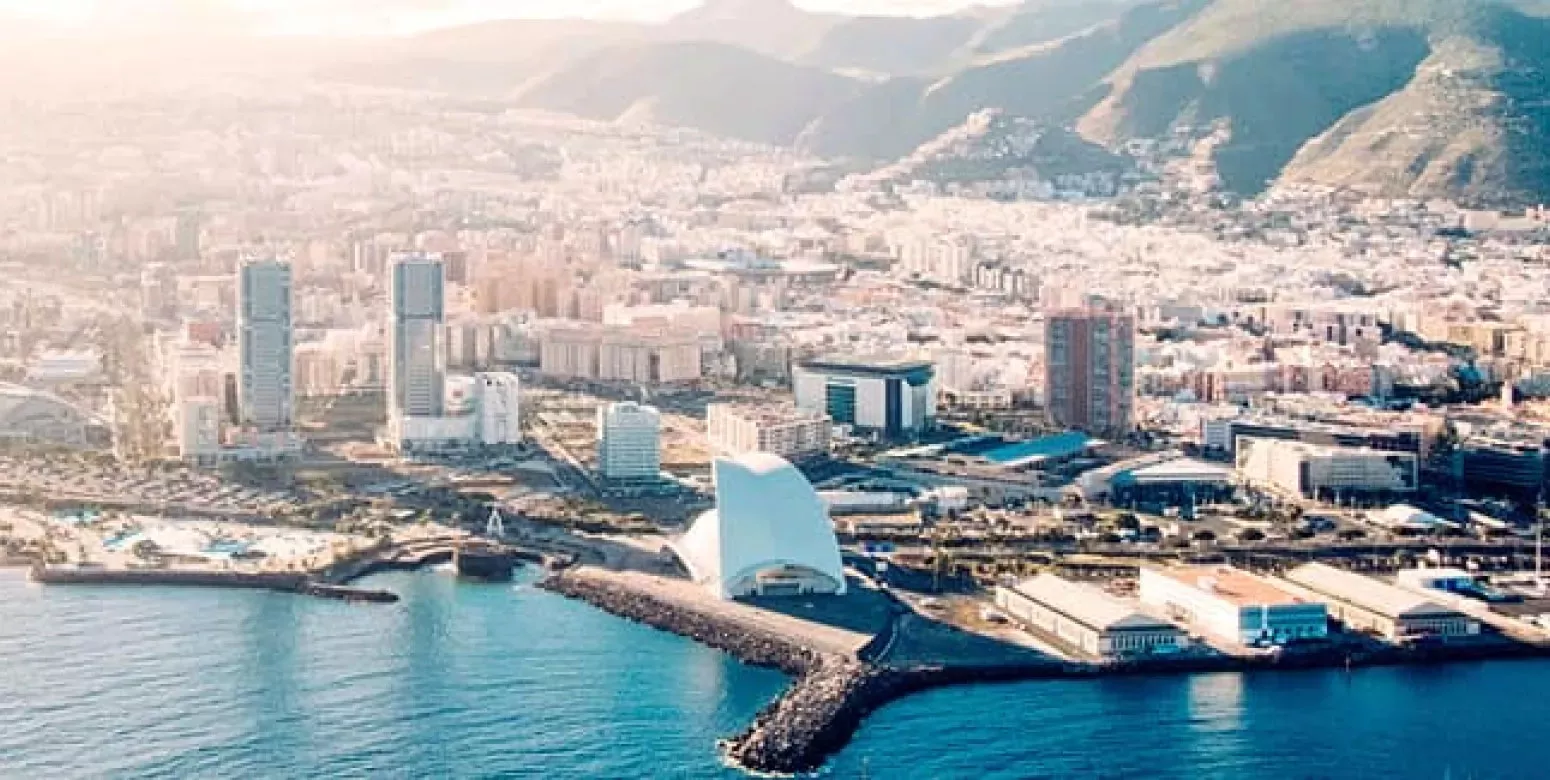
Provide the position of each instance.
(1351, 535)
(1203, 535)
(1251, 535)
(1128, 522)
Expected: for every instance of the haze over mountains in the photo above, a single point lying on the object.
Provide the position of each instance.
(1401, 97)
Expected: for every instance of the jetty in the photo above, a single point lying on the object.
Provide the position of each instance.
(841, 675)
(282, 582)
(476, 558)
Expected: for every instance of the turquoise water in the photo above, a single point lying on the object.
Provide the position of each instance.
(464, 680)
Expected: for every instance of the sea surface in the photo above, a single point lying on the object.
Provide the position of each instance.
(464, 680)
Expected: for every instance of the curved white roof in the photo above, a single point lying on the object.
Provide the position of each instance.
(767, 514)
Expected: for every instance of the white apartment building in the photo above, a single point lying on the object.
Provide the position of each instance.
(629, 442)
(198, 425)
(498, 405)
(618, 354)
(1317, 471)
(417, 357)
(265, 382)
(786, 431)
(1233, 605)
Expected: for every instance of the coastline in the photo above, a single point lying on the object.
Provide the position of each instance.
(831, 694)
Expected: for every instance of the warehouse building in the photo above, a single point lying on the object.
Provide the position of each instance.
(1086, 618)
(1362, 603)
(1233, 605)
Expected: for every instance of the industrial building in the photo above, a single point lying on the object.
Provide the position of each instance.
(629, 443)
(769, 534)
(1362, 603)
(1090, 371)
(1316, 471)
(1086, 618)
(891, 398)
(1233, 605)
(786, 431)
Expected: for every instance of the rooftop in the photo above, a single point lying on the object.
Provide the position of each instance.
(1085, 604)
(1234, 585)
(1365, 592)
(1177, 470)
(886, 363)
(1060, 445)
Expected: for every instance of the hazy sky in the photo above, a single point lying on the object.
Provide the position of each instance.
(379, 16)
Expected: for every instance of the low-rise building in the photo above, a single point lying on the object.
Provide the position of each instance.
(786, 431)
(1086, 618)
(1316, 471)
(1362, 603)
(1234, 605)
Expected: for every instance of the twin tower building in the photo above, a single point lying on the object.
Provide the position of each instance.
(420, 414)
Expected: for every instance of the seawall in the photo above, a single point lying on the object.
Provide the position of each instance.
(751, 647)
(282, 582)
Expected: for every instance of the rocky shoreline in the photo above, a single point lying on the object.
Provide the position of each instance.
(753, 648)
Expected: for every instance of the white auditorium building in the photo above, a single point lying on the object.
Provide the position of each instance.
(769, 534)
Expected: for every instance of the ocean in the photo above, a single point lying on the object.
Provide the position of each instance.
(488, 681)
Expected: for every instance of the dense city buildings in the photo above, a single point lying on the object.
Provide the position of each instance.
(1090, 371)
(891, 398)
(265, 343)
(629, 443)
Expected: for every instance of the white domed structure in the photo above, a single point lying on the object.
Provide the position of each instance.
(769, 534)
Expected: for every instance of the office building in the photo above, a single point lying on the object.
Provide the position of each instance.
(1508, 469)
(786, 431)
(1362, 603)
(1329, 473)
(1089, 371)
(886, 397)
(417, 355)
(629, 443)
(1086, 618)
(1233, 605)
(1221, 435)
(265, 381)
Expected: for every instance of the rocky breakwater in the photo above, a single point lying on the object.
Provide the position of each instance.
(797, 732)
(751, 647)
(814, 718)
